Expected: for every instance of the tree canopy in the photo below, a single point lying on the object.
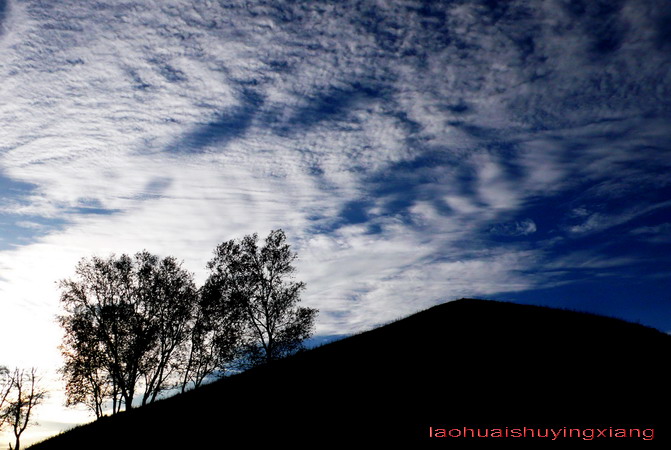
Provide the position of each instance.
(255, 284)
(125, 323)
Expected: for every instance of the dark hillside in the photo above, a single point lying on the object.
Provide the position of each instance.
(464, 363)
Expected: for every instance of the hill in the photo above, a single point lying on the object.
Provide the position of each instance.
(469, 363)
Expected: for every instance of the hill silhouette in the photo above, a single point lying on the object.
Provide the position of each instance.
(467, 363)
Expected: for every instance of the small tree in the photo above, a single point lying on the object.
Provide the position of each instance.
(24, 395)
(255, 285)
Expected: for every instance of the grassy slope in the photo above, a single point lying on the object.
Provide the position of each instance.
(468, 363)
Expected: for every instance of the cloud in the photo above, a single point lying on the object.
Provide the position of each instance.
(224, 121)
(518, 228)
(597, 221)
(588, 260)
(657, 234)
(31, 225)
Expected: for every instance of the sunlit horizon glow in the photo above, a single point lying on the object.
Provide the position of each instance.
(413, 152)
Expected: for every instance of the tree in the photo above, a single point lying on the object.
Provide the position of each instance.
(24, 395)
(6, 383)
(254, 285)
(126, 319)
(87, 380)
(170, 297)
(215, 343)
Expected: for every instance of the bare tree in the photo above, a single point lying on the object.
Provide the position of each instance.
(25, 394)
(6, 384)
(257, 283)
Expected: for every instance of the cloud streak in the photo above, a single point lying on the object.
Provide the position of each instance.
(277, 116)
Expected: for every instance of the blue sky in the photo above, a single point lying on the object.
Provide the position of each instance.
(414, 152)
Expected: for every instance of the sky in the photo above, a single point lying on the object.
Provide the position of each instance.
(414, 152)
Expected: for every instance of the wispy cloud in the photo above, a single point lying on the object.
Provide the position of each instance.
(517, 228)
(593, 221)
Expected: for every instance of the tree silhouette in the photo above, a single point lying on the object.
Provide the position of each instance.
(254, 285)
(215, 343)
(87, 380)
(24, 394)
(170, 298)
(126, 319)
(6, 383)
(139, 322)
